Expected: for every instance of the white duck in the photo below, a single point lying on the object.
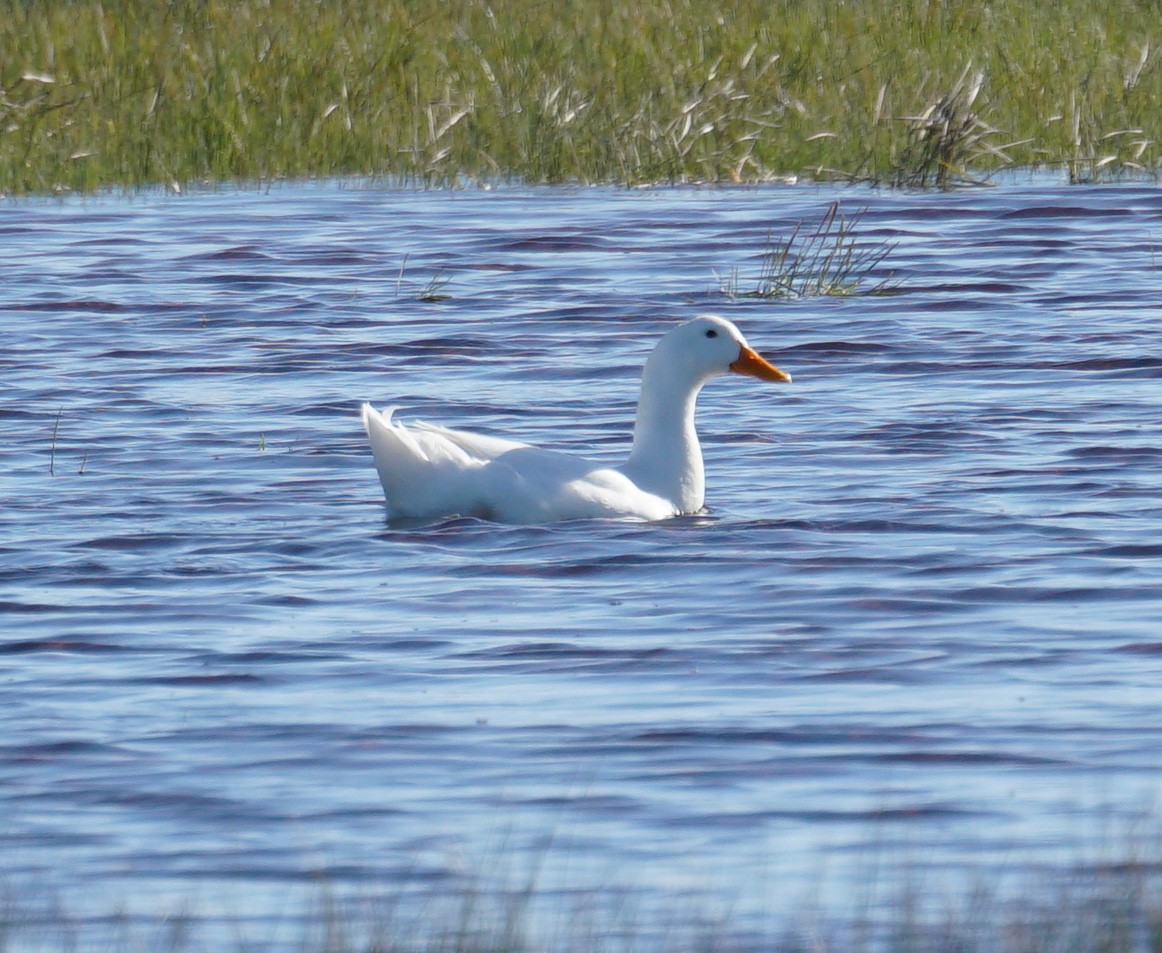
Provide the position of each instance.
(429, 471)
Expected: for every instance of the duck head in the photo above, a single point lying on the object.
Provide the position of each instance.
(709, 346)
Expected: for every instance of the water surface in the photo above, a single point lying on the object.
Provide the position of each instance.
(918, 627)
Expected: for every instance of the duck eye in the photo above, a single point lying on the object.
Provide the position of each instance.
(712, 333)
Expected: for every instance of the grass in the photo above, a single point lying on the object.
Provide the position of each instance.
(948, 138)
(432, 291)
(903, 92)
(827, 259)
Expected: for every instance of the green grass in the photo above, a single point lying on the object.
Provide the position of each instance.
(438, 92)
(827, 259)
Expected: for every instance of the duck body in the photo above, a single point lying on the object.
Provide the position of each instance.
(429, 471)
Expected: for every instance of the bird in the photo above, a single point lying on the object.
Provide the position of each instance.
(430, 472)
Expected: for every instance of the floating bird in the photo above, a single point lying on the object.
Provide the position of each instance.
(429, 471)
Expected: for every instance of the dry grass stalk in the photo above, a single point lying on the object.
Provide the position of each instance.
(946, 137)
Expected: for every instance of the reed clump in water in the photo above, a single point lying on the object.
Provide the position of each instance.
(827, 259)
(114, 92)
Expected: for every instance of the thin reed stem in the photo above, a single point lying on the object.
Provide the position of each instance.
(52, 446)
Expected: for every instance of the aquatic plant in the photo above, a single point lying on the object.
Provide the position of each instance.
(431, 291)
(96, 93)
(947, 138)
(827, 259)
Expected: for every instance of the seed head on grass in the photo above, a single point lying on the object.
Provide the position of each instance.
(100, 93)
(948, 137)
(1098, 155)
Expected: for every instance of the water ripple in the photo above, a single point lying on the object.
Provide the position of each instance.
(922, 608)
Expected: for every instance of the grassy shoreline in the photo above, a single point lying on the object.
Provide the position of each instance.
(914, 92)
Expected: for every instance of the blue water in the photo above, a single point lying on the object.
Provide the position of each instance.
(919, 629)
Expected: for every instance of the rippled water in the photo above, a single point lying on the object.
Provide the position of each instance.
(919, 625)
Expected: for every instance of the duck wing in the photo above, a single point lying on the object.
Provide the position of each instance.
(532, 485)
(477, 446)
(428, 471)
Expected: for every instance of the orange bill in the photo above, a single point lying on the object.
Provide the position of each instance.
(754, 364)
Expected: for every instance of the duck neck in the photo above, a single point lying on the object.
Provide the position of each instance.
(666, 459)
